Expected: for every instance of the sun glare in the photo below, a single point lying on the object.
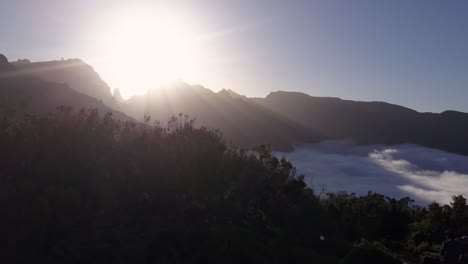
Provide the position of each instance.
(142, 51)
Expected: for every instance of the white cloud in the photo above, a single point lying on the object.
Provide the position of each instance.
(405, 170)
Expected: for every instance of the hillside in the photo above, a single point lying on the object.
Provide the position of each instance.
(83, 186)
(281, 120)
(241, 121)
(371, 122)
(80, 187)
(74, 72)
(23, 93)
(77, 74)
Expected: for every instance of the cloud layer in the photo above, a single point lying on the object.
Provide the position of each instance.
(421, 173)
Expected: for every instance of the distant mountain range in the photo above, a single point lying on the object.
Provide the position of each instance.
(241, 121)
(372, 122)
(282, 119)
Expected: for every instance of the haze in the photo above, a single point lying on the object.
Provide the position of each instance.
(411, 53)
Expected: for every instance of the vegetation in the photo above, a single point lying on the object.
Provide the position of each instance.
(85, 188)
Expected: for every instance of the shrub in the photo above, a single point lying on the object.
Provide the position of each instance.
(367, 252)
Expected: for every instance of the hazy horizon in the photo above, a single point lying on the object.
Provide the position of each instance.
(408, 53)
(168, 84)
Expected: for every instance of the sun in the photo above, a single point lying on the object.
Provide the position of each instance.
(141, 50)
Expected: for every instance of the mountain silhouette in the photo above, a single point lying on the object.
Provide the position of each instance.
(5, 66)
(77, 74)
(241, 121)
(117, 95)
(281, 119)
(372, 122)
(23, 91)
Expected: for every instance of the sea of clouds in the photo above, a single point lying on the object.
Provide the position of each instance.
(421, 173)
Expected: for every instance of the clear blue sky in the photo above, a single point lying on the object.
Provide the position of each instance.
(413, 53)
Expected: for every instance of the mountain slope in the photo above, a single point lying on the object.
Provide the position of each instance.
(281, 120)
(372, 122)
(77, 74)
(74, 72)
(24, 93)
(241, 121)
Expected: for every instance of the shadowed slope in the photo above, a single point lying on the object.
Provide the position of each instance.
(74, 72)
(282, 119)
(240, 120)
(24, 93)
(372, 122)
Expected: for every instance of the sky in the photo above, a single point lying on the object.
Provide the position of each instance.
(412, 53)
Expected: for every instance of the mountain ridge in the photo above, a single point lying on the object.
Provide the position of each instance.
(373, 122)
(282, 119)
(79, 75)
(25, 93)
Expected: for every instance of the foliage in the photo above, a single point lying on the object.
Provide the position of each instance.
(76, 187)
(85, 188)
(366, 252)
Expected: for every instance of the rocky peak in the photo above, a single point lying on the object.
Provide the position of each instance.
(117, 95)
(4, 64)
